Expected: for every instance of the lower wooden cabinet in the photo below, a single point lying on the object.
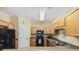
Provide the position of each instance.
(45, 43)
(32, 42)
(49, 44)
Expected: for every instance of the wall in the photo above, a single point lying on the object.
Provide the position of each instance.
(69, 39)
(24, 32)
(4, 16)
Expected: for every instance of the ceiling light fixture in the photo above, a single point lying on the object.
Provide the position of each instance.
(42, 14)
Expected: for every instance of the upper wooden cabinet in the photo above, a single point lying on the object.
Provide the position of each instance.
(3, 23)
(33, 30)
(46, 30)
(61, 23)
(72, 24)
(52, 29)
(55, 26)
(8, 25)
(11, 26)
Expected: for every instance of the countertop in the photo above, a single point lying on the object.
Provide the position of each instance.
(52, 39)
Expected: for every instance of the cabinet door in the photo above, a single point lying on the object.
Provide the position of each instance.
(55, 26)
(11, 26)
(33, 42)
(3, 23)
(72, 24)
(45, 42)
(61, 23)
(51, 29)
(44, 30)
(33, 30)
(47, 29)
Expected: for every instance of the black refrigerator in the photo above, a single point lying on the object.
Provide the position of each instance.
(7, 38)
(39, 38)
(10, 39)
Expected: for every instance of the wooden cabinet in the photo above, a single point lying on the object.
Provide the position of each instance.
(55, 25)
(3, 23)
(11, 26)
(72, 24)
(45, 43)
(49, 44)
(32, 42)
(33, 30)
(61, 23)
(51, 29)
(46, 30)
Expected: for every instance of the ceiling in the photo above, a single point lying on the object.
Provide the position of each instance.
(33, 13)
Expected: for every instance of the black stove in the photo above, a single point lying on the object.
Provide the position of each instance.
(39, 38)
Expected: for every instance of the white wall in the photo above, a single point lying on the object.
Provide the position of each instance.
(24, 32)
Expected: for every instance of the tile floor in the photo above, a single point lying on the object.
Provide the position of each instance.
(43, 49)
